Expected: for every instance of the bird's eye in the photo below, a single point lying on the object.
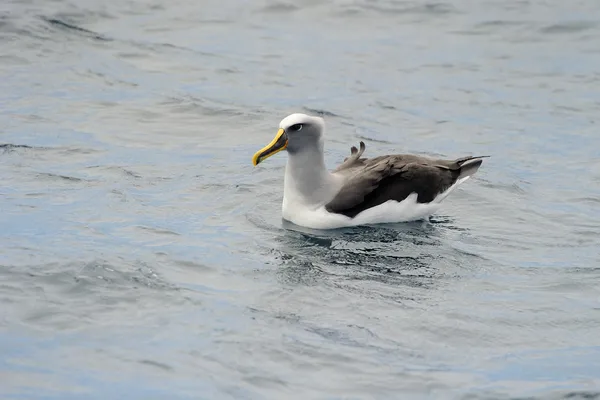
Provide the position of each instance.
(295, 128)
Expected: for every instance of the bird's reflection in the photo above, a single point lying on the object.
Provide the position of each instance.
(405, 253)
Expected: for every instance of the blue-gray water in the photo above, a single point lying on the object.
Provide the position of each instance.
(143, 257)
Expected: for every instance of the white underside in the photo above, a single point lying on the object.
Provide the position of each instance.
(388, 212)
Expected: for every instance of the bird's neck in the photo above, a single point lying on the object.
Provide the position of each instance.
(307, 179)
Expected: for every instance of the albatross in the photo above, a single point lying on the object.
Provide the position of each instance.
(360, 191)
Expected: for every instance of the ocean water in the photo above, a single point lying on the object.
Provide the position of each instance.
(142, 256)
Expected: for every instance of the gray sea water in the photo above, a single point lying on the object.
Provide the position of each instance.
(142, 256)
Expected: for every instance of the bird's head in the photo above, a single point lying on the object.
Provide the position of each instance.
(296, 132)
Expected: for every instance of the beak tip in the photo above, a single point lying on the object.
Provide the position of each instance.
(276, 145)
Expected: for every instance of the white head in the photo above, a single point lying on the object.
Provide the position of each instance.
(296, 133)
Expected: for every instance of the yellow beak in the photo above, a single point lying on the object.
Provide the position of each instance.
(279, 143)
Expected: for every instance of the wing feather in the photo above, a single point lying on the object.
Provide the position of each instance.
(370, 182)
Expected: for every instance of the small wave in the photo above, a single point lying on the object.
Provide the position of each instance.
(191, 104)
(569, 27)
(385, 106)
(586, 199)
(421, 9)
(370, 139)
(432, 8)
(69, 26)
(499, 22)
(48, 175)
(156, 364)
(280, 8)
(507, 187)
(127, 274)
(158, 231)
(114, 168)
(487, 27)
(322, 113)
(9, 147)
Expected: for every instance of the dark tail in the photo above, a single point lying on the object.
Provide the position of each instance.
(469, 165)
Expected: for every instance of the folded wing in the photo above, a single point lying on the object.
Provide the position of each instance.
(371, 182)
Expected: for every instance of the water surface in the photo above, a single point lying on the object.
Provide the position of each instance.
(142, 256)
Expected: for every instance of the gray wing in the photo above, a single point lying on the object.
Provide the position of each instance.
(370, 182)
